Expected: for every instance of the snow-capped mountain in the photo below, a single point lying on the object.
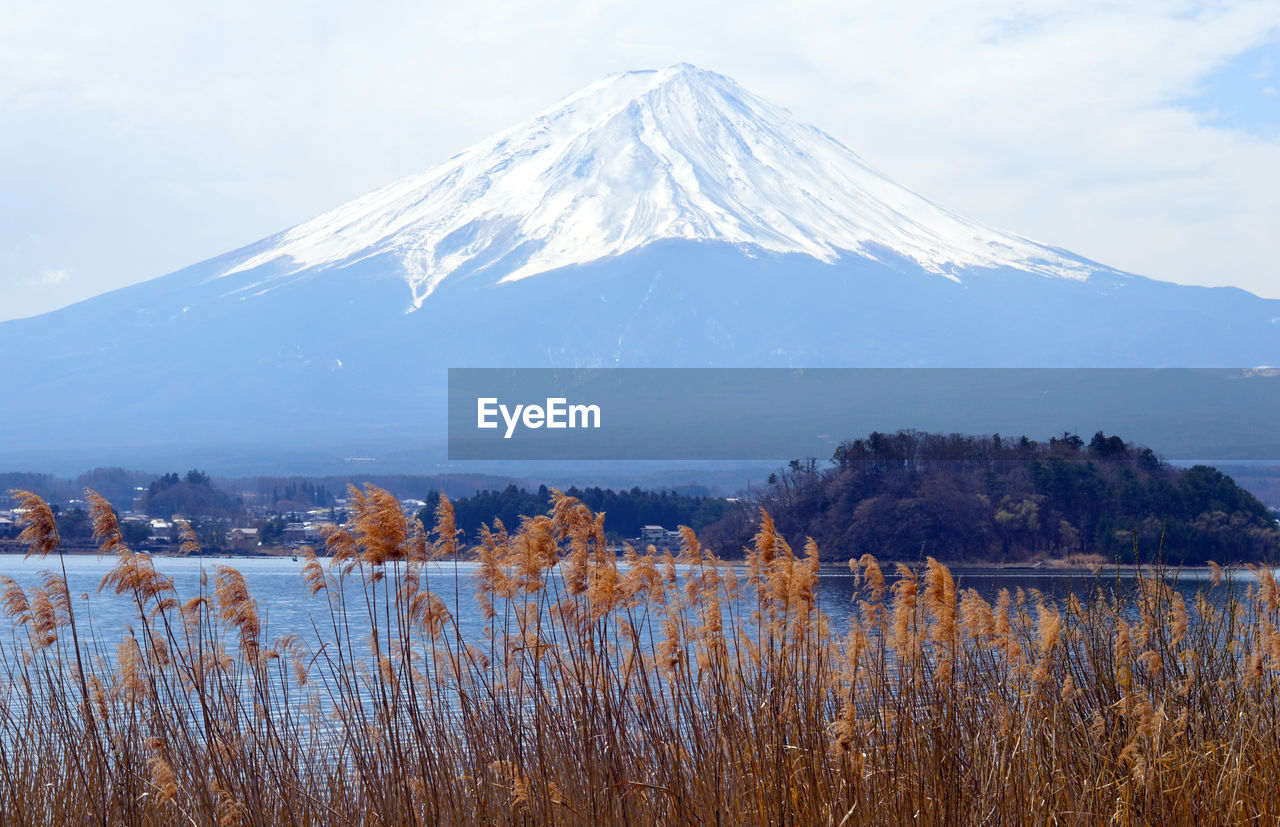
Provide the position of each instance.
(637, 158)
(657, 218)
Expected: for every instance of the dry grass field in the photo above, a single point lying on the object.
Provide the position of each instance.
(647, 689)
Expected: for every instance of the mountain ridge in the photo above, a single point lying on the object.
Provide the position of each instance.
(262, 345)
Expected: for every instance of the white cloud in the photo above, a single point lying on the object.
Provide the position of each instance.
(51, 277)
(138, 142)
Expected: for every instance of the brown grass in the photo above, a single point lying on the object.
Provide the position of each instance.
(657, 689)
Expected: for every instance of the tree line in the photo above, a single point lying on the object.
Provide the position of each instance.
(626, 511)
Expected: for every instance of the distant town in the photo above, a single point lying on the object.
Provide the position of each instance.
(262, 529)
(252, 519)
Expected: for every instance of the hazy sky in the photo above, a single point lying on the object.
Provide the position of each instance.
(137, 138)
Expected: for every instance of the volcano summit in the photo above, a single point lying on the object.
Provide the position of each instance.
(678, 154)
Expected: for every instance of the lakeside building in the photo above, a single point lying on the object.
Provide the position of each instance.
(243, 535)
(310, 532)
(657, 535)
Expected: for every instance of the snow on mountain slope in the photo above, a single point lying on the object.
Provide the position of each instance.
(678, 153)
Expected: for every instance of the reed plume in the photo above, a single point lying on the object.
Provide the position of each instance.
(39, 527)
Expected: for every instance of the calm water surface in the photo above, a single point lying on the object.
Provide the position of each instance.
(285, 607)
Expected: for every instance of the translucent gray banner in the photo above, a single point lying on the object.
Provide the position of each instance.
(778, 413)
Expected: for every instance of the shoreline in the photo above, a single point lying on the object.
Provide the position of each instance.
(11, 548)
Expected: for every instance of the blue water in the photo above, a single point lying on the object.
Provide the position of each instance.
(285, 606)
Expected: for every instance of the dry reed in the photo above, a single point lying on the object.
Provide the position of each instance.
(652, 689)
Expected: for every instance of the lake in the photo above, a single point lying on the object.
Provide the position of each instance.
(285, 607)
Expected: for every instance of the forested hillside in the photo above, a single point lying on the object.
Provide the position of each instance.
(954, 497)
